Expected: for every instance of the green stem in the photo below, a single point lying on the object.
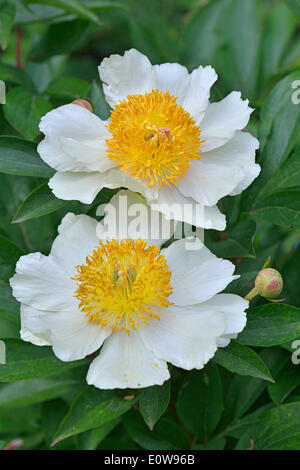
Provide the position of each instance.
(18, 47)
(253, 293)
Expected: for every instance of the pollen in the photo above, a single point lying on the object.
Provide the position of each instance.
(121, 282)
(153, 138)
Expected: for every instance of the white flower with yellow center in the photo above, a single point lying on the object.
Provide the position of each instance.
(143, 305)
(163, 139)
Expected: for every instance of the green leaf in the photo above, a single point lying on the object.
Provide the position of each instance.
(91, 409)
(238, 427)
(19, 420)
(96, 95)
(154, 402)
(35, 12)
(278, 100)
(279, 131)
(118, 440)
(288, 175)
(293, 399)
(167, 435)
(238, 244)
(99, 5)
(243, 45)
(243, 285)
(68, 87)
(20, 157)
(41, 201)
(9, 313)
(200, 402)
(29, 392)
(291, 56)
(91, 439)
(75, 7)
(244, 391)
(31, 235)
(285, 385)
(43, 73)
(203, 29)
(276, 429)
(61, 38)
(24, 111)
(53, 413)
(26, 361)
(282, 208)
(242, 360)
(31, 441)
(218, 443)
(294, 4)
(9, 255)
(280, 28)
(150, 32)
(270, 325)
(13, 75)
(291, 275)
(7, 16)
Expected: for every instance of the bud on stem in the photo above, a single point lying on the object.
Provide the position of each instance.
(268, 284)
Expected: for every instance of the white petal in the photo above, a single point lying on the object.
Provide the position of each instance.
(71, 335)
(207, 182)
(128, 215)
(186, 337)
(133, 74)
(125, 75)
(125, 362)
(75, 140)
(26, 335)
(72, 120)
(84, 187)
(173, 78)
(43, 283)
(197, 275)
(197, 95)
(175, 205)
(222, 119)
(226, 170)
(116, 178)
(214, 219)
(233, 307)
(90, 155)
(77, 238)
(238, 153)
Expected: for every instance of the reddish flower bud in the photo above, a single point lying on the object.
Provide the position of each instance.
(269, 283)
(14, 444)
(85, 104)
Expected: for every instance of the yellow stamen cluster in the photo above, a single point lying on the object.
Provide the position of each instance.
(120, 282)
(153, 138)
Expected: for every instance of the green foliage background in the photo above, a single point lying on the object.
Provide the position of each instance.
(249, 394)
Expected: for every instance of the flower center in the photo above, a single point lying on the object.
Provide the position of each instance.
(153, 138)
(120, 283)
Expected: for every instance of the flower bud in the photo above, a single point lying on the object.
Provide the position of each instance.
(87, 104)
(14, 444)
(269, 283)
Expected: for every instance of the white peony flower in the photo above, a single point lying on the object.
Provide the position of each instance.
(163, 139)
(143, 305)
